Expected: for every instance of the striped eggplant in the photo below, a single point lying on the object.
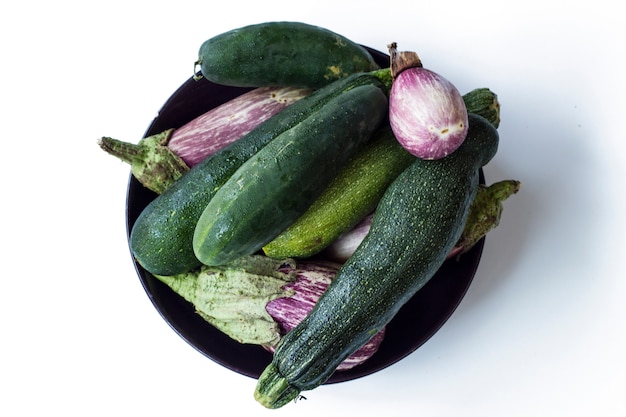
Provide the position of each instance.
(427, 113)
(257, 299)
(158, 160)
(484, 216)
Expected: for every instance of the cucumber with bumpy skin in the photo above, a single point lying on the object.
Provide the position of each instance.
(277, 185)
(281, 53)
(417, 223)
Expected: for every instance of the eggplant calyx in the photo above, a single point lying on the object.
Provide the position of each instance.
(402, 60)
(151, 161)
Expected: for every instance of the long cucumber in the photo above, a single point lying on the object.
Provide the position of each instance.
(281, 53)
(277, 185)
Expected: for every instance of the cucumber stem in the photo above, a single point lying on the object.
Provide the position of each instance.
(197, 74)
(151, 161)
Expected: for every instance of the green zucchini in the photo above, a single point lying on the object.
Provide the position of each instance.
(418, 221)
(356, 190)
(161, 238)
(277, 185)
(281, 53)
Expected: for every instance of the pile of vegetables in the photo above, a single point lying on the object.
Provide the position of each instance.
(302, 215)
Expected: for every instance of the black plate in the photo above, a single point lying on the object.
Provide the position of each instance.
(415, 323)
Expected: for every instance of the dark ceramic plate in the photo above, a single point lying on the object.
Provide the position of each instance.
(415, 323)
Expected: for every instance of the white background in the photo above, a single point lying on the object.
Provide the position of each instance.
(541, 331)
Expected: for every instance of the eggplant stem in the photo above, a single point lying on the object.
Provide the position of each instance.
(402, 60)
(151, 161)
(485, 212)
(126, 151)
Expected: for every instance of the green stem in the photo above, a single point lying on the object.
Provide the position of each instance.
(384, 75)
(151, 161)
(485, 212)
(273, 390)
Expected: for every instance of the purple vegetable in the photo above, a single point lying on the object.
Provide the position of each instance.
(159, 160)
(312, 279)
(257, 299)
(224, 124)
(484, 215)
(426, 112)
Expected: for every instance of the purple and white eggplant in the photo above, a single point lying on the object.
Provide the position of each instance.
(257, 299)
(224, 124)
(484, 216)
(158, 160)
(426, 112)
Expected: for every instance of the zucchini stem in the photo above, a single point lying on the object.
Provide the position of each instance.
(384, 75)
(276, 391)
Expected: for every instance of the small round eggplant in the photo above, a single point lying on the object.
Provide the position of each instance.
(427, 113)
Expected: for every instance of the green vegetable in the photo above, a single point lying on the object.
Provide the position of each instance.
(277, 185)
(418, 221)
(161, 238)
(356, 190)
(281, 53)
(485, 213)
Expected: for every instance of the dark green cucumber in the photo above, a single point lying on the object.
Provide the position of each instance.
(281, 53)
(161, 239)
(356, 190)
(418, 221)
(277, 185)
